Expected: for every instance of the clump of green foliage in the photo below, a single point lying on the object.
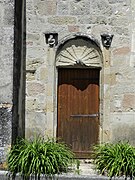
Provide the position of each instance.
(115, 159)
(36, 157)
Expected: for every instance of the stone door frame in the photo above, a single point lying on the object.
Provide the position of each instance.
(52, 123)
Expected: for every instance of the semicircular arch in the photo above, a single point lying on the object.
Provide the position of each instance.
(79, 51)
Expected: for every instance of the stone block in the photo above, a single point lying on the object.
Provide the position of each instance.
(6, 36)
(35, 88)
(106, 135)
(112, 1)
(33, 63)
(36, 52)
(34, 39)
(121, 41)
(36, 104)
(6, 93)
(5, 130)
(80, 7)
(63, 7)
(87, 19)
(49, 91)
(123, 127)
(122, 51)
(112, 79)
(116, 103)
(125, 2)
(36, 124)
(5, 126)
(30, 76)
(98, 29)
(7, 54)
(31, 104)
(8, 19)
(47, 7)
(100, 7)
(33, 36)
(6, 74)
(61, 20)
(121, 21)
(6, 60)
(50, 105)
(30, 6)
(129, 102)
(7, 1)
(120, 10)
(43, 74)
(121, 31)
(73, 28)
(35, 24)
(96, 19)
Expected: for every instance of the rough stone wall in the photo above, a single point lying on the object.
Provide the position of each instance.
(122, 100)
(6, 73)
(117, 79)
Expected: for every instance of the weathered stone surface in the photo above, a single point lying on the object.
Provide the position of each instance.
(126, 2)
(47, 7)
(7, 1)
(30, 76)
(43, 75)
(129, 102)
(119, 21)
(122, 51)
(33, 37)
(121, 31)
(36, 124)
(123, 127)
(35, 88)
(63, 7)
(117, 75)
(60, 20)
(36, 52)
(35, 25)
(92, 19)
(6, 61)
(80, 7)
(8, 16)
(5, 130)
(33, 64)
(73, 28)
(100, 7)
(36, 104)
(7, 38)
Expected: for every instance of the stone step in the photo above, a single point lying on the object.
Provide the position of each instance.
(87, 167)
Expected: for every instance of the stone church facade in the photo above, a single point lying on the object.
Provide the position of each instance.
(39, 37)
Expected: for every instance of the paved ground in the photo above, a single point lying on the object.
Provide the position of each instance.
(3, 176)
(86, 172)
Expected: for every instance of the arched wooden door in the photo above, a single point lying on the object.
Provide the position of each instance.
(78, 109)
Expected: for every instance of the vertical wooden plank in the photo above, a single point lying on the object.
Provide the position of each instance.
(78, 94)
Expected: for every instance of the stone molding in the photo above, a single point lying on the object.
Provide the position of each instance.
(79, 51)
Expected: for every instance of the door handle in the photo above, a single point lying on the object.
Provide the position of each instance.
(84, 115)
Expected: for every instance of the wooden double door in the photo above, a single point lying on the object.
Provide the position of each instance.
(78, 109)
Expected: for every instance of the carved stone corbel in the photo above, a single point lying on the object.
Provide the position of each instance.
(51, 39)
(106, 39)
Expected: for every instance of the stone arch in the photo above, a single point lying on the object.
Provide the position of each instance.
(79, 50)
